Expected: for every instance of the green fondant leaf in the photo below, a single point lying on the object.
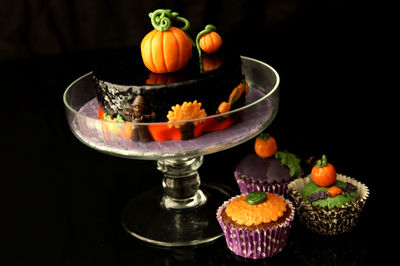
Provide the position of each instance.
(256, 197)
(291, 161)
(119, 118)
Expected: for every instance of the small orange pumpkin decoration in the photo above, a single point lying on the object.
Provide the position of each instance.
(323, 173)
(265, 145)
(166, 49)
(208, 40)
(334, 191)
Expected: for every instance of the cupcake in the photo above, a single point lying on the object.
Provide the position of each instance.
(256, 225)
(328, 203)
(267, 169)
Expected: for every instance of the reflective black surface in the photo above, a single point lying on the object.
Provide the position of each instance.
(69, 198)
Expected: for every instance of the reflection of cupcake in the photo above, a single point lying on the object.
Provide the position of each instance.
(256, 225)
(326, 202)
(267, 169)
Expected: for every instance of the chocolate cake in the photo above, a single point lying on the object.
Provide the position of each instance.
(169, 81)
(122, 77)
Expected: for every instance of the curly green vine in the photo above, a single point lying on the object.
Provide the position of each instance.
(161, 19)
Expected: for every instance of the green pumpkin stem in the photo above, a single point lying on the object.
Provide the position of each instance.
(322, 162)
(161, 19)
(209, 28)
(264, 136)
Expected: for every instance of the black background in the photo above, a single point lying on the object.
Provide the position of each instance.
(69, 198)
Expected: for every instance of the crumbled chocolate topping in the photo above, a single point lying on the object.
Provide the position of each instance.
(318, 195)
(349, 188)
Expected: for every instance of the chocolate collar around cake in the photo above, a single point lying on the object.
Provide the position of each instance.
(121, 77)
(269, 170)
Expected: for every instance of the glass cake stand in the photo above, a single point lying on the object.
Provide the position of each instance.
(181, 212)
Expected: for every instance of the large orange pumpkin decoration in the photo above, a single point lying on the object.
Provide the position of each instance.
(166, 48)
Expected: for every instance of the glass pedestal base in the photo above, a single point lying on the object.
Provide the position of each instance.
(146, 218)
(181, 212)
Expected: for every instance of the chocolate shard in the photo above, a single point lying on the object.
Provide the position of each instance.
(318, 195)
(187, 131)
(349, 187)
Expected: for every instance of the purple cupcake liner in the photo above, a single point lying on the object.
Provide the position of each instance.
(256, 244)
(247, 185)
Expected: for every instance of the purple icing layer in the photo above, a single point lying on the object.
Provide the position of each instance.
(254, 173)
(265, 170)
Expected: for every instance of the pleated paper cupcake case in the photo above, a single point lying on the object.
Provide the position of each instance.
(324, 221)
(256, 244)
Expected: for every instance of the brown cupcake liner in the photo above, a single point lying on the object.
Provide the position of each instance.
(324, 221)
(256, 244)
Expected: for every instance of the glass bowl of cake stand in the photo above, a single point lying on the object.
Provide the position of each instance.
(182, 211)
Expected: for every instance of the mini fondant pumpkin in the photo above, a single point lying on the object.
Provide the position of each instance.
(208, 40)
(166, 49)
(323, 173)
(334, 191)
(265, 145)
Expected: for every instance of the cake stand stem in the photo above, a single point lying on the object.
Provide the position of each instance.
(181, 183)
(180, 212)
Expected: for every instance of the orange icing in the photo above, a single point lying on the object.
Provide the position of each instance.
(245, 214)
(186, 111)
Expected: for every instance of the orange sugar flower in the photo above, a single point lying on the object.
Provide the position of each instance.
(186, 111)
